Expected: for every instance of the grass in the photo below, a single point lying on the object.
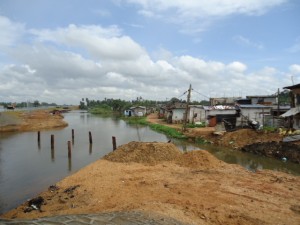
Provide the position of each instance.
(100, 110)
(269, 128)
(136, 120)
(170, 132)
(190, 125)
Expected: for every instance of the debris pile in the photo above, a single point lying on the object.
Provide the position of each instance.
(34, 204)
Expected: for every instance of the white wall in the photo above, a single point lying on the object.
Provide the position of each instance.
(201, 114)
(178, 114)
(253, 114)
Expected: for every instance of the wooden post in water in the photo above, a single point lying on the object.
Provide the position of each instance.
(90, 149)
(73, 135)
(52, 141)
(114, 143)
(90, 137)
(52, 155)
(69, 149)
(39, 137)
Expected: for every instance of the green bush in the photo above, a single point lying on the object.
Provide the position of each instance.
(269, 128)
(136, 120)
(171, 132)
(101, 110)
(190, 125)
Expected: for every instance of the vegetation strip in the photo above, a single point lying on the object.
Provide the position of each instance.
(170, 132)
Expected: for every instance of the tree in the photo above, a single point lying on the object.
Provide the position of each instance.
(36, 103)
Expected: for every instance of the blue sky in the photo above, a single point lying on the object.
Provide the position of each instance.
(63, 50)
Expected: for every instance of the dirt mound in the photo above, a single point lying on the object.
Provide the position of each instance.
(144, 152)
(242, 137)
(199, 159)
(153, 152)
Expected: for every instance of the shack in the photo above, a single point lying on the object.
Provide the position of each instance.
(135, 111)
(255, 112)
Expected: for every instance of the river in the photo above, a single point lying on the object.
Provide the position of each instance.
(27, 168)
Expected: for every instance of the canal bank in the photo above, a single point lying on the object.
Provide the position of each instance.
(30, 120)
(262, 143)
(192, 188)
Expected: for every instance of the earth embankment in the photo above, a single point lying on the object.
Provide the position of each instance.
(192, 187)
(30, 120)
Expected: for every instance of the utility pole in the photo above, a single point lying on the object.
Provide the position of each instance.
(278, 107)
(187, 108)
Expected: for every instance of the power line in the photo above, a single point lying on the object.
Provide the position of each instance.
(182, 94)
(201, 94)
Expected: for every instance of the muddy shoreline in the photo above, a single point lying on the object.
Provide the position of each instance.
(267, 144)
(12, 121)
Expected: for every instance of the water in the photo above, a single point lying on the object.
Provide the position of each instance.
(27, 168)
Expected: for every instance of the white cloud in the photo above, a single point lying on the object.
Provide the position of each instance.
(237, 67)
(209, 8)
(295, 69)
(10, 32)
(100, 43)
(65, 64)
(198, 14)
(247, 42)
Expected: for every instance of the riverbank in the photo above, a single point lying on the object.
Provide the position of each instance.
(264, 143)
(30, 120)
(192, 187)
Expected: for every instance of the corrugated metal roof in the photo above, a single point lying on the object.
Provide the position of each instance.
(256, 106)
(291, 112)
(219, 107)
(292, 87)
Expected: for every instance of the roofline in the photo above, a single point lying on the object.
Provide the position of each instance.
(261, 96)
(292, 87)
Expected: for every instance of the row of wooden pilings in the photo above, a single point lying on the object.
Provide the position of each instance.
(114, 143)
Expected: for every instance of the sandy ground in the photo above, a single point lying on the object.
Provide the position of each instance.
(30, 120)
(193, 187)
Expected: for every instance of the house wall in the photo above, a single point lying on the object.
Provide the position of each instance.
(178, 114)
(271, 100)
(253, 114)
(215, 112)
(137, 110)
(223, 101)
(201, 114)
(127, 112)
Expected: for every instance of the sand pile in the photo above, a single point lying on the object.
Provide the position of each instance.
(199, 159)
(144, 152)
(152, 153)
(185, 186)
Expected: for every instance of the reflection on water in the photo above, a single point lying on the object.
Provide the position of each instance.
(249, 161)
(28, 167)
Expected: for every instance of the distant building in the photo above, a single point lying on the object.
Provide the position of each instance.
(136, 111)
(292, 116)
(223, 101)
(263, 99)
(253, 112)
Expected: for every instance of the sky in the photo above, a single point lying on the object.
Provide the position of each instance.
(64, 50)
